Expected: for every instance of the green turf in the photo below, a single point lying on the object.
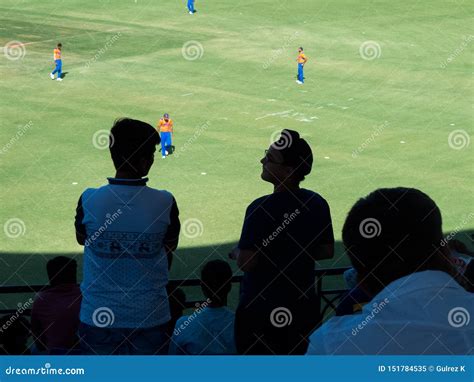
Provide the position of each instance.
(124, 58)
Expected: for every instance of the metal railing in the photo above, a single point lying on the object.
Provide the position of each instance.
(328, 297)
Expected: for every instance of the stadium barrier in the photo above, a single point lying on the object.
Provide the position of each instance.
(328, 297)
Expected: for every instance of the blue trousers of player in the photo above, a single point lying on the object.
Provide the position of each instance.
(300, 73)
(58, 69)
(165, 142)
(191, 6)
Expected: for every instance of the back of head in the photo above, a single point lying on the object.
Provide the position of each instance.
(131, 141)
(296, 153)
(216, 277)
(391, 233)
(62, 270)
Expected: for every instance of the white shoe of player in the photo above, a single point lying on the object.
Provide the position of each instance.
(59, 79)
(299, 82)
(51, 75)
(191, 13)
(166, 152)
(163, 157)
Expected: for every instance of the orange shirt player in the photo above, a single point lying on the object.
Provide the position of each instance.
(58, 62)
(301, 61)
(166, 130)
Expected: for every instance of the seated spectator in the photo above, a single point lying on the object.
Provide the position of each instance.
(14, 334)
(209, 330)
(55, 312)
(129, 232)
(283, 235)
(393, 238)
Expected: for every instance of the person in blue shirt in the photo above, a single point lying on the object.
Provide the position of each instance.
(210, 329)
(129, 232)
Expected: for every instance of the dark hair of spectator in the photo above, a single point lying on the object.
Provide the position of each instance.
(130, 141)
(216, 277)
(62, 270)
(392, 233)
(296, 153)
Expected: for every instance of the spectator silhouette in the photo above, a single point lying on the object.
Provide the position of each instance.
(129, 232)
(284, 233)
(393, 238)
(14, 334)
(55, 312)
(209, 330)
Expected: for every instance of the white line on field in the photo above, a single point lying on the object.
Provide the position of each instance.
(275, 114)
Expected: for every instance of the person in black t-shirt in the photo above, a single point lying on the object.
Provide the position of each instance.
(284, 233)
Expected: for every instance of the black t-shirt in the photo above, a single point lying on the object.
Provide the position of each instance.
(284, 228)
